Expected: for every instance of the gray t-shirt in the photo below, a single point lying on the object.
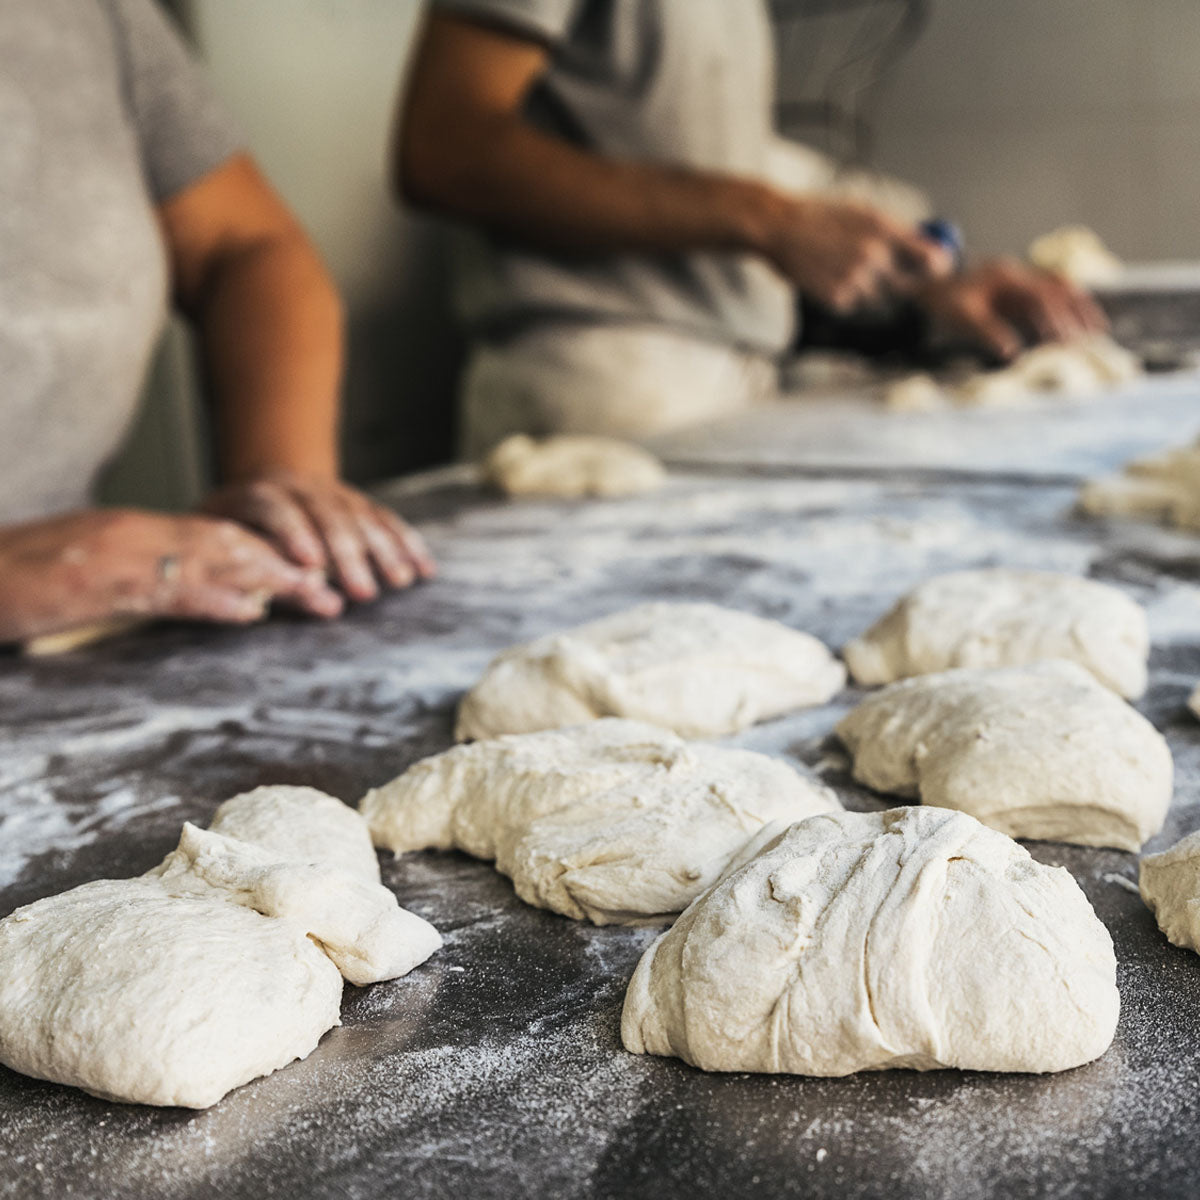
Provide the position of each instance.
(682, 82)
(102, 116)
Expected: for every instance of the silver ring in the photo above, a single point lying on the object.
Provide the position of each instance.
(168, 568)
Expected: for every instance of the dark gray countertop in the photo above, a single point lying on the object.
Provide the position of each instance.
(496, 1068)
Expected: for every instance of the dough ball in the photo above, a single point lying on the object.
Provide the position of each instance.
(861, 941)
(611, 822)
(1170, 886)
(300, 823)
(1194, 701)
(999, 617)
(133, 994)
(1076, 252)
(1042, 751)
(916, 393)
(1159, 487)
(571, 466)
(700, 670)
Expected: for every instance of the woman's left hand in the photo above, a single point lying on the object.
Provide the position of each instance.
(321, 522)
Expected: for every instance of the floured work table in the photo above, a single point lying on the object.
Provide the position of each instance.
(496, 1069)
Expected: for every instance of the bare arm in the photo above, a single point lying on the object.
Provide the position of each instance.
(464, 148)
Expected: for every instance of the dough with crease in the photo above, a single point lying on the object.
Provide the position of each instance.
(611, 822)
(700, 670)
(1170, 885)
(861, 941)
(222, 964)
(571, 465)
(1042, 751)
(1159, 487)
(999, 617)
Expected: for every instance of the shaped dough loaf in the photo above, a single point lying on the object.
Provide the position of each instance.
(1170, 885)
(1159, 487)
(999, 617)
(612, 822)
(571, 466)
(1037, 752)
(697, 669)
(862, 941)
(222, 964)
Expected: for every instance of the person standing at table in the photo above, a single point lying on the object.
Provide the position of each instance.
(123, 186)
(633, 268)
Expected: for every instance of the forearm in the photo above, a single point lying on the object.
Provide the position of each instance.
(514, 179)
(271, 327)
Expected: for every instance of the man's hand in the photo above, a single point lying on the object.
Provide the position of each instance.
(1004, 305)
(845, 255)
(318, 522)
(92, 566)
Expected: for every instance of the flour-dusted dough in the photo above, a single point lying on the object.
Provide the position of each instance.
(1159, 487)
(300, 823)
(1194, 701)
(571, 465)
(700, 670)
(613, 821)
(1042, 751)
(1076, 252)
(1170, 885)
(861, 941)
(998, 617)
(223, 964)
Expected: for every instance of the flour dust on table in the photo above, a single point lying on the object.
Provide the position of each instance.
(1042, 751)
(614, 822)
(222, 964)
(698, 669)
(914, 938)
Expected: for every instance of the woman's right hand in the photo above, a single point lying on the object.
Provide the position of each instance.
(92, 566)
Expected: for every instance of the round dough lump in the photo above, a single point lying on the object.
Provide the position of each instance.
(1159, 487)
(861, 941)
(1170, 886)
(571, 465)
(999, 617)
(133, 994)
(1042, 751)
(611, 822)
(697, 669)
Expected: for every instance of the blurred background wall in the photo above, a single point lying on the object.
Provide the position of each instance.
(1016, 115)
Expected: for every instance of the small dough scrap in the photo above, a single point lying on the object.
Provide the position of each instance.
(300, 823)
(49, 645)
(1041, 751)
(612, 822)
(700, 670)
(913, 938)
(1170, 885)
(1000, 617)
(133, 994)
(916, 393)
(1076, 253)
(1194, 700)
(568, 465)
(1159, 487)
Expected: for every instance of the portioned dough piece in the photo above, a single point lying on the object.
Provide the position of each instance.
(1162, 487)
(998, 617)
(1194, 701)
(300, 823)
(1042, 751)
(612, 822)
(916, 393)
(861, 941)
(1170, 885)
(357, 923)
(569, 465)
(134, 994)
(700, 670)
(1076, 252)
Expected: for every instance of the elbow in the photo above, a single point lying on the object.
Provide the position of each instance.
(423, 171)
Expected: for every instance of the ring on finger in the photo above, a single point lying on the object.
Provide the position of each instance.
(167, 568)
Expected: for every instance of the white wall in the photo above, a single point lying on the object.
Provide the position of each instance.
(1020, 115)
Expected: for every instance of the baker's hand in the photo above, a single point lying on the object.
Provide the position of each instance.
(1004, 305)
(92, 566)
(846, 255)
(319, 522)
